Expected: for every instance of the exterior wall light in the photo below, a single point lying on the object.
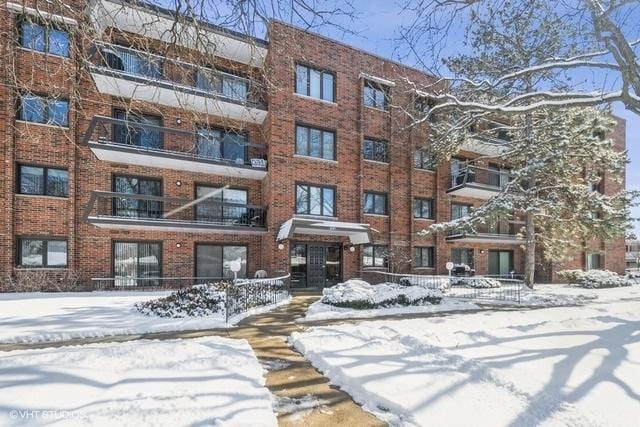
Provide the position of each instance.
(178, 245)
(281, 246)
(352, 248)
(179, 183)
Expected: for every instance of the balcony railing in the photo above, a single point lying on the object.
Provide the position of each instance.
(120, 209)
(228, 149)
(136, 64)
(500, 230)
(480, 176)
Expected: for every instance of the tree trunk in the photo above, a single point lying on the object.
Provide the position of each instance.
(530, 250)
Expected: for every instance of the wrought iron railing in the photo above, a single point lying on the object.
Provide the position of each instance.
(241, 296)
(491, 288)
(488, 177)
(176, 74)
(229, 149)
(499, 228)
(157, 210)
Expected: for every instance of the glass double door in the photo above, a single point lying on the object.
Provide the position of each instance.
(315, 265)
(500, 263)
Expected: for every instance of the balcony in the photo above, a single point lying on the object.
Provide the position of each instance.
(134, 74)
(144, 144)
(504, 232)
(146, 212)
(478, 182)
(486, 145)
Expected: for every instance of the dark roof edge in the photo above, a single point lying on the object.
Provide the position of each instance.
(209, 25)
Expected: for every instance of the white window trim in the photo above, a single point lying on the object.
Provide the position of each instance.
(22, 9)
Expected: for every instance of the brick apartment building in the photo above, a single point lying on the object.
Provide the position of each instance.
(313, 166)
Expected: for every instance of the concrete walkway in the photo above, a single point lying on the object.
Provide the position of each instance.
(297, 383)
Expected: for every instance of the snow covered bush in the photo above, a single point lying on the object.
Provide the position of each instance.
(196, 301)
(361, 295)
(634, 277)
(479, 282)
(431, 282)
(594, 279)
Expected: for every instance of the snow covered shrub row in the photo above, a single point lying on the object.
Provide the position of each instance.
(594, 279)
(479, 282)
(431, 282)
(634, 276)
(361, 295)
(196, 301)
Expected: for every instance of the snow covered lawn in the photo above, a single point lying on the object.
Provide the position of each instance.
(550, 366)
(39, 317)
(204, 381)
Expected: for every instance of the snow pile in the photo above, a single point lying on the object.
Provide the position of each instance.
(432, 282)
(594, 279)
(480, 282)
(195, 301)
(470, 367)
(361, 295)
(196, 382)
(299, 407)
(634, 277)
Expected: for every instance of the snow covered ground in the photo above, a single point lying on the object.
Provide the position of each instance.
(204, 381)
(40, 317)
(575, 365)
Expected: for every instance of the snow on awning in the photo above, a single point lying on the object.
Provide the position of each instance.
(357, 233)
(377, 79)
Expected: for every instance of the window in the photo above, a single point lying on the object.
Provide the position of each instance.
(315, 142)
(315, 83)
(219, 144)
(459, 210)
(132, 62)
(375, 203)
(226, 84)
(424, 159)
(40, 109)
(42, 38)
(43, 181)
(375, 95)
(424, 257)
(375, 150)
(423, 208)
(41, 253)
(311, 200)
(135, 208)
(424, 104)
(226, 206)
(137, 263)
(214, 260)
(463, 257)
(132, 133)
(594, 261)
(375, 256)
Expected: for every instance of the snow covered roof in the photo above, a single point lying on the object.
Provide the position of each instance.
(357, 233)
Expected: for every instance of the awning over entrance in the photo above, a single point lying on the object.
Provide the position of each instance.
(358, 234)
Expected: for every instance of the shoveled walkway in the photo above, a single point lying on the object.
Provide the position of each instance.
(297, 384)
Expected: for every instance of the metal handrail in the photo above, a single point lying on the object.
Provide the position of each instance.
(470, 171)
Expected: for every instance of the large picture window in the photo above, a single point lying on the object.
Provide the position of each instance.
(226, 84)
(375, 256)
(375, 150)
(312, 200)
(135, 208)
(315, 142)
(375, 203)
(137, 135)
(41, 38)
(137, 263)
(213, 261)
(425, 160)
(225, 206)
(43, 181)
(40, 109)
(219, 144)
(41, 252)
(424, 257)
(462, 256)
(314, 83)
(594, 261)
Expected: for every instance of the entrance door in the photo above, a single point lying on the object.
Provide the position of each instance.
(316, 266)
(500, 263)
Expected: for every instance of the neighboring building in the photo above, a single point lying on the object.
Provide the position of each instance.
(632, 253)
(314, 171)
